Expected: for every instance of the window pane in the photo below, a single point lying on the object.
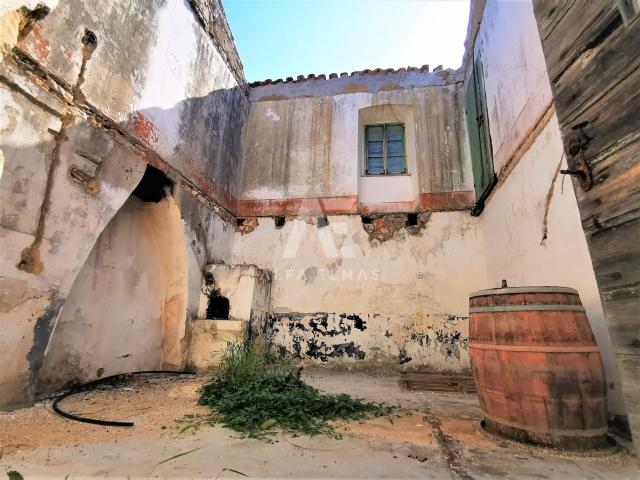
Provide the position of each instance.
(395, 148)
(395, 132)
(374, 134)
(395, 164)
(374, 149)
(375, 165)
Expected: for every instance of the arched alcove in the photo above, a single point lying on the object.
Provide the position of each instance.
(127, 308)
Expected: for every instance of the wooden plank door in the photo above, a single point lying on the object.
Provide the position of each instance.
(592, 51)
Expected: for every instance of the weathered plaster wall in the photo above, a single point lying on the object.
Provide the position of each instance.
(337, 295)
(527, 151)
(45, 242)
(126, 310)
(515, 76)
(370, 81)
(309, 147)
(208, 238)
(80, 121)
(172, 90)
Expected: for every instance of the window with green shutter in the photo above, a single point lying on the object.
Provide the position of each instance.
(484, 178)
(385, 149)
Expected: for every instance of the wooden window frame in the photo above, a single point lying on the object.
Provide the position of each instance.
(384, 149)
(484, 177)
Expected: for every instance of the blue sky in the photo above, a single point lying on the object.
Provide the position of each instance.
(286, 38)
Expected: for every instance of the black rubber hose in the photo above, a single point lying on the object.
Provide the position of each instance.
(88, 386)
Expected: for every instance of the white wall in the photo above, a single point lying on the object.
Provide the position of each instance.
(408, 286)
(513, 226)
(515, 74)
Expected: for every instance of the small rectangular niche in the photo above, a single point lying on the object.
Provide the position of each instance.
(412, 219)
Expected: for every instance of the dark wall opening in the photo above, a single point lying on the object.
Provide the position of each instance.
(154, 186)
(412, 219)
(218, 308)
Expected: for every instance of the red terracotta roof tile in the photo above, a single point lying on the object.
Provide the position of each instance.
(366, 71)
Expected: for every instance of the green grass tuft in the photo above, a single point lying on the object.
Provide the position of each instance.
(257, 394)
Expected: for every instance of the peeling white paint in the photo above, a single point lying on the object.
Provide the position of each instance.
(273, 115)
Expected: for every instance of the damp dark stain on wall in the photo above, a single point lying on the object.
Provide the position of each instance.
(420, 338)
(450, 343)
(41, 335)
(403, 357)
(321, 351)
(321, 326)
(325, 336)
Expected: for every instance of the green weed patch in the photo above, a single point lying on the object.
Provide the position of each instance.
(257, 394)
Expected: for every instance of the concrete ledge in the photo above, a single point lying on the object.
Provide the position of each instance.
(209, 340)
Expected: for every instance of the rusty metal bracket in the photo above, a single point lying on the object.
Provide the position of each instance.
(576, 161)
(90, 183)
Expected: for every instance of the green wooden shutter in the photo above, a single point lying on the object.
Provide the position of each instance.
(479, 137)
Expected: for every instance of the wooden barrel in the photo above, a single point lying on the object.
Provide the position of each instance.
(537, 367)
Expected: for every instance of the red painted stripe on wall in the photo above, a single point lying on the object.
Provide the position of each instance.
(348, 205)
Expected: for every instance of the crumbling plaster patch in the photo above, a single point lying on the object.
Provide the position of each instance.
(383, 227)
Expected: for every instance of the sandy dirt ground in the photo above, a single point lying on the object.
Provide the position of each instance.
(438, 435)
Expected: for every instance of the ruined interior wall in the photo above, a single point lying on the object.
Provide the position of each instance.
(527, 150)
(80, 121)
(338, 296)
(172, 90)
(126, 297)
(310, 146)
